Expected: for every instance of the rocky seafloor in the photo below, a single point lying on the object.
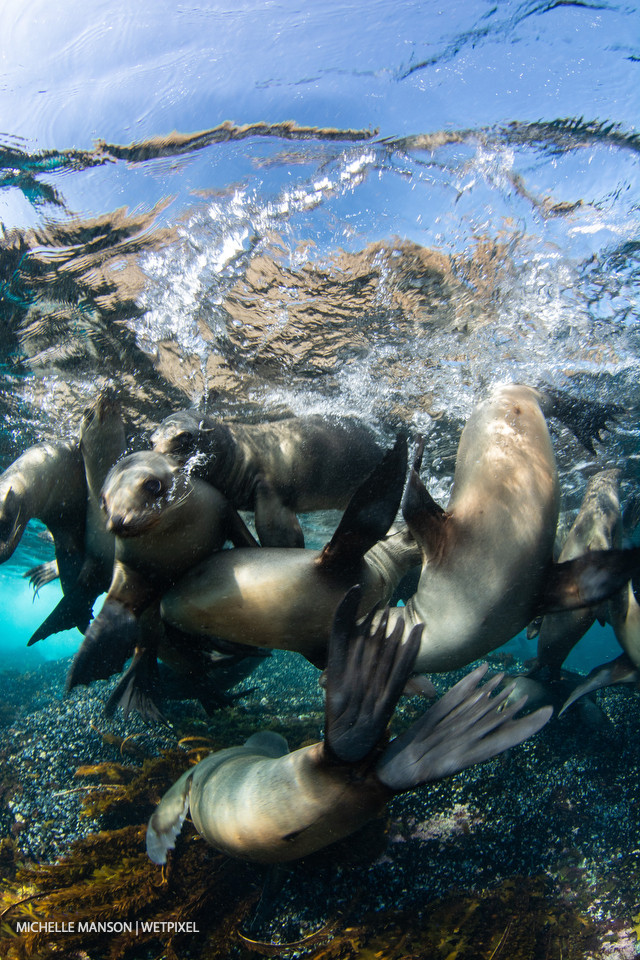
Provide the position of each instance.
(550, 830)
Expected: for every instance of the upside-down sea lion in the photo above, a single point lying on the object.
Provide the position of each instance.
(47, 483)
(286, 598)
(164, 522)
(259, 802)
(102, 442)
(276, 469)
(487, 560)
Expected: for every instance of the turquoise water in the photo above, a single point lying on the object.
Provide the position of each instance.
(277, 208)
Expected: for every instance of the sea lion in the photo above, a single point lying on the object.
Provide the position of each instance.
(102, 442)
(164, 522)
(286, 598)
(47, 483)
(259, 802)
(487, 560)
(276, 469)
(598, 526)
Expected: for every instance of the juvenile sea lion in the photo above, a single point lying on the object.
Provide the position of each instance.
(286, 598)
(598, 526)
(46, 483)
(259, 802)
(276, 469)
(102, 443)
(164, 522)
(487, 560)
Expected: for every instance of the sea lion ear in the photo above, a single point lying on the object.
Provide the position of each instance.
(167, 819)
(366, 673)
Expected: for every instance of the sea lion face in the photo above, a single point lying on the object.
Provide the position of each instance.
(139, 490)
(179, 435)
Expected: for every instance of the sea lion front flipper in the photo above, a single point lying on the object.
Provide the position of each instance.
(365, 675)
(107, 645)
(74, 610)
(620, 670)
(589, 579)
(166, 820)
(370, 512)
(41, 574)
(237, 530)
(464, 727)
(424, 517)
(277, 525)
(586, 419)
(138, 689)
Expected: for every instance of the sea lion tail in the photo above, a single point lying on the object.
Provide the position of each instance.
(108, 643)
(589, 579)
(586, 419)
(370, 511)
(366, 673)
(464, 727)
(167, 819)
(620, 670)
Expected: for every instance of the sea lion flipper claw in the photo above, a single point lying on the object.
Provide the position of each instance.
(41, 574)
(108, 643)
(366, 673)
(465, 727)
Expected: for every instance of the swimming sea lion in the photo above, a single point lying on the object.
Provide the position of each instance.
(276, 469)
(102, 443)
(164, 522)
(598, 526)
(259, 802)
(46, 483)
(487, 560)
(286, 598)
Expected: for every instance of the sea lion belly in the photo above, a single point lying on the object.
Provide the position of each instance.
(480, 585)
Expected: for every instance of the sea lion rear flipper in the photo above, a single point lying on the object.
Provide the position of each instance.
(424, 517)
(620, 670)
(464, 727)
(365, 675)
(138, 689)
(589, 579)
(166, 820)
(277, 525)
(370, 512)
(107, 645)
(586, 419)
(41, 574)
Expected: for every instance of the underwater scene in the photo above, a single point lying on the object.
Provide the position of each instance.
(320, 480)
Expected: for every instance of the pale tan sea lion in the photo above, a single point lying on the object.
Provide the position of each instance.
(102, 442)
(487, 560)
(286, 598)
(259, 802)
(164, 522)
(276, 469)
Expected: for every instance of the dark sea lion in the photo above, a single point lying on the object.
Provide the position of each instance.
(286, 598)
(276, 469)
(487, 560)
(46, 483)
(164, 522)
(102, 442)
(259, 802)
(598, 526)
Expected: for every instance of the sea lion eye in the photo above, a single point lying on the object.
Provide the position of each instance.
(152, 486)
